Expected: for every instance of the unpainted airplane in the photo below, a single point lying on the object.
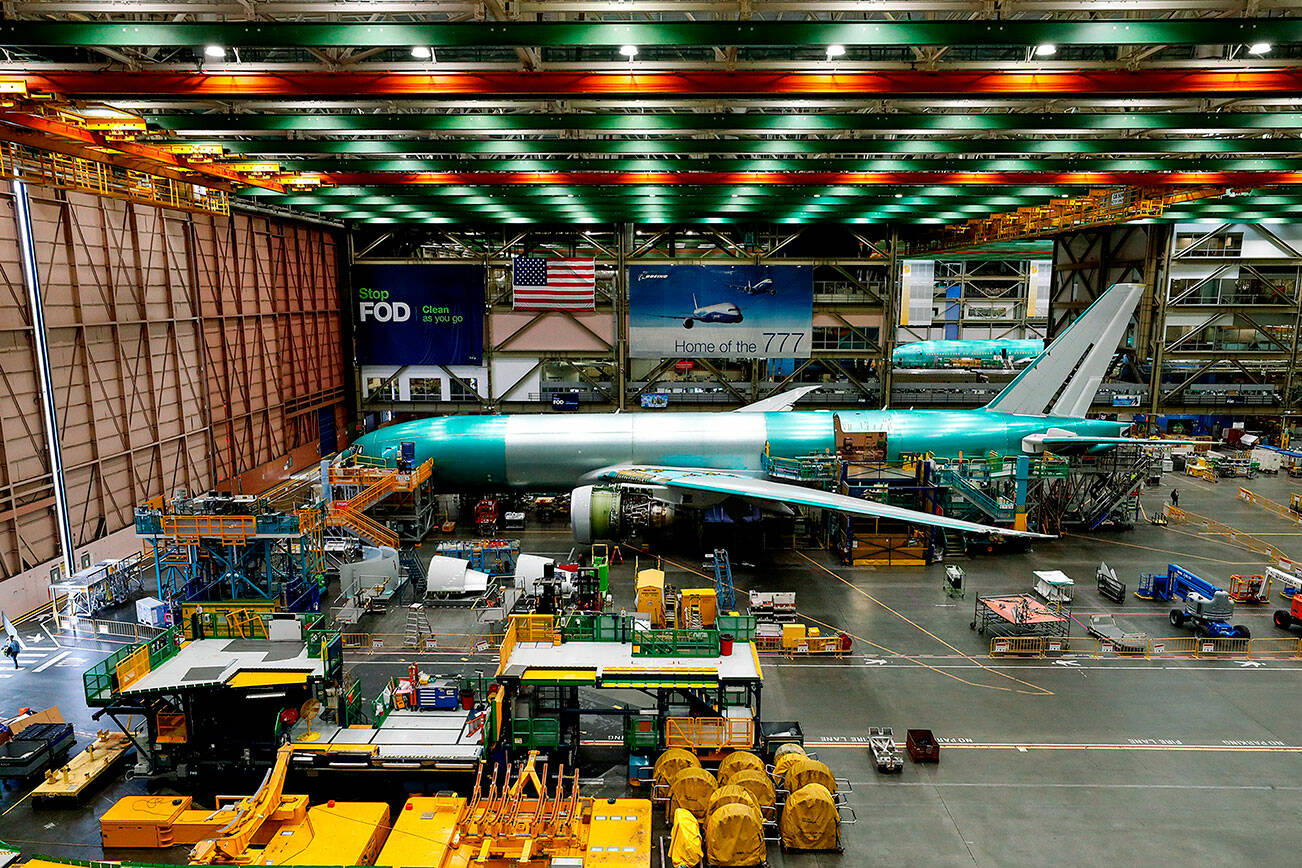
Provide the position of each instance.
(1011, 352)
(633, 471)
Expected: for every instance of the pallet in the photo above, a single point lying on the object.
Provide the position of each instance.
(70, 781)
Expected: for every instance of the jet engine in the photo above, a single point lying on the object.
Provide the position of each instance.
(616, 512)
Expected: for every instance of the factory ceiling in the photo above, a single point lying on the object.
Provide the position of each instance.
(902, 112)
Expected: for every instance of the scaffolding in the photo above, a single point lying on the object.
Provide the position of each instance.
(107, 583)
(396, 496)
(218, 547)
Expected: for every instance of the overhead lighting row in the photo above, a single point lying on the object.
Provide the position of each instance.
(424, 52)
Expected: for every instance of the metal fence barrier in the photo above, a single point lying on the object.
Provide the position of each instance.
(1177, 646)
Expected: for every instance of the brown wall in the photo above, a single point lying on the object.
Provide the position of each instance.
(186, 349)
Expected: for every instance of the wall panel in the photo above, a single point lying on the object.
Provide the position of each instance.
(186, 350)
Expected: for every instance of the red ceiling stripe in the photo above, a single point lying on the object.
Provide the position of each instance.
(1141, 179)
(891, 83)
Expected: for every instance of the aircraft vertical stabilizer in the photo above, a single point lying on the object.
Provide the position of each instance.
(1064, 379)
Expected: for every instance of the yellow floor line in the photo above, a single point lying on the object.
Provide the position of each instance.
(1185, 555)
(1036, 690)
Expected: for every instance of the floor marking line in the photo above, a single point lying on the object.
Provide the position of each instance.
(1186, 556)
(1174, 748)
(1038, 690)
(48, 663)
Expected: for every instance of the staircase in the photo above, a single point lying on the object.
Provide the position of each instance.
(417, 629)
(416, 576)
(1109, 492)
(726, 594)
(362, 526)
(955, 544)
(960, 486)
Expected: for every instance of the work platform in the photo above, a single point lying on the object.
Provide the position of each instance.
(445, 736)
(230, 662)
(613, 664)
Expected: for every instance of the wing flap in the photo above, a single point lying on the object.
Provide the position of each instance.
(720, 482)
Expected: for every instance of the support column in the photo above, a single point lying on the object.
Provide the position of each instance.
(890, 321)
(32, 279)
(623, 244)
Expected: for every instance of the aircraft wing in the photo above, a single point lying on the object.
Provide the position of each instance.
(723, 482)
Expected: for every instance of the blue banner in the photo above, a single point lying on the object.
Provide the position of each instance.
(419, 314)
(720, 311)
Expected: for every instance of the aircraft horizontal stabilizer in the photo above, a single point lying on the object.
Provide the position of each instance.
(781, 401)
(751, 488)
(1075, 444)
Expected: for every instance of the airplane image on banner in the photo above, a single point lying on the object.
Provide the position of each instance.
(763, 286)
(722, 313)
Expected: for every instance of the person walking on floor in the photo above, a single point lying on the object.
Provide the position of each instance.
(11, 651)
(1175, 497)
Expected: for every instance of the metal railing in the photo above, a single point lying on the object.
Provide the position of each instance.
(113, 631)
(1231, 535)
(1188, 647)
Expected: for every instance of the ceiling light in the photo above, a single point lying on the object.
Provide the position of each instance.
(1046, 49)
(216, 52)
(421, 52)
(899, 195)
(835, 51)
(1260, 48)
(629, 51)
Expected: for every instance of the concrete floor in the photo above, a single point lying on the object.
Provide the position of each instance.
(1081, 762)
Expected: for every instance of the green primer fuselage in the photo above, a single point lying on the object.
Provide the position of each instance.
(553, 452)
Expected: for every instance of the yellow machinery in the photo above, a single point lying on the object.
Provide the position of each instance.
(267, 828)
(520, 821)
(1200, 468)
(697, 608)
(73, 779)
(234, 839)
(651, 596)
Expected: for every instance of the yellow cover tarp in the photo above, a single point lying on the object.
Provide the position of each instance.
(758, 784)
(784, 758)
(691, 790)
(734, 836)
(729, 795)
(737, 761)
(685, 841)
(809, 820)
(805, 770)
(671, 762)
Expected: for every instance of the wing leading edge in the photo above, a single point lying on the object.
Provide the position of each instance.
(720, 482)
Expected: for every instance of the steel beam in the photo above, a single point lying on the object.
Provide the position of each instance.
(1237, 84)
(750, 33)
(829, 119)
(49, 411)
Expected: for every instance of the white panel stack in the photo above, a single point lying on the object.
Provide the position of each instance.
(917, 292)
(1037, 295)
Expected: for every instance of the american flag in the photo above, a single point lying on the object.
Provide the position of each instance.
(553, 284)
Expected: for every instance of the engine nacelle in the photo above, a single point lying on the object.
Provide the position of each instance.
(616, 512)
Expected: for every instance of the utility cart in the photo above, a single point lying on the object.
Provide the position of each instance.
(922, 746)
(35, 748)
(886, 753)
(954, 582)
(1105, 629)
(1109, 586)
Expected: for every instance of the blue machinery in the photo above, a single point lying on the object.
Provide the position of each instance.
(1206, 606)
(226, 548)
(723, 586)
